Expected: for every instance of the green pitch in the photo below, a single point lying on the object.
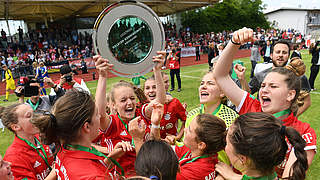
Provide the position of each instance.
(191, 77)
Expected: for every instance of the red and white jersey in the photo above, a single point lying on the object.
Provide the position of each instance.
(174, 63)
(117, 132)
(80, 165)
(250, 104)
(173, 111)
(26, 162)
(307, 133)
(79, 84)
(193, 168)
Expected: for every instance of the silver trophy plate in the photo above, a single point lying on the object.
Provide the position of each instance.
(128, 34)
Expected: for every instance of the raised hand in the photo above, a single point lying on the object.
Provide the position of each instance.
(137, 128)
(243, 36)
(159, 60)
(240, 71)
(157, 113)
(102, 65)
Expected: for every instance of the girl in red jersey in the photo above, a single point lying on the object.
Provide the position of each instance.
(72, 126)
(114, 127)
(278, 94)
(173, 110)
(29, 158)
(247, 140)
(205, 136)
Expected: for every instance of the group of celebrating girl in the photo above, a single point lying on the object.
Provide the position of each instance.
(140, 139)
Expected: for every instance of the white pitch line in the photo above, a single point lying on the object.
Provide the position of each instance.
(198, 70)
(190, 76)
(312, 92)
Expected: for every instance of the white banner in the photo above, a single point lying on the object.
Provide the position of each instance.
(189, 51)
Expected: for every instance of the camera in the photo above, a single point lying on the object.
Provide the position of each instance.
(26, 89)
(68, 78)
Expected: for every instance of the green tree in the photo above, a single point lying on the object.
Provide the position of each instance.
(227, 15)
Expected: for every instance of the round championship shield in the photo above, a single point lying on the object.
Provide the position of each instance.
(128, 34)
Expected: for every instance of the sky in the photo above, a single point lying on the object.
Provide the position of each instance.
(276, 4)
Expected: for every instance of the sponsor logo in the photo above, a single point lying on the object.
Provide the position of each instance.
(36, 164)
(123, 133)
(169, 126)
(167, 116)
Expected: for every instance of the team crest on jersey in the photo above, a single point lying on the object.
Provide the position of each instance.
(169, 126)
(36, 164)
(123, 133)
(167, 116)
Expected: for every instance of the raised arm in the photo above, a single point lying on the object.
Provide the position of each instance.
(102, 66)
(161, 92)
(157, 114)
(221, 70)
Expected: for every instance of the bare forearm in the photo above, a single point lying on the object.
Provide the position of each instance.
(179, 136)
(101, 101)
(137, 144)
(244, 85)
(161, 92)
(155, 133)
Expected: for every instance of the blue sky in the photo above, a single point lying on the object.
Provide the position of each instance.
(275, 4)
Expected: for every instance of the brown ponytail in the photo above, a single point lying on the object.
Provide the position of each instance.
(297, 66)
(69, 114)
(299, 168)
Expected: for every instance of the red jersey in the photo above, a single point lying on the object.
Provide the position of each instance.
(173, 111)
(250, 104)
(26, 162)
(117, 132)
(197, 167)
(174, 63)
(80, 165)
(67, 86)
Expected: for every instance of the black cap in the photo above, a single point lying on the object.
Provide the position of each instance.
(65, 69)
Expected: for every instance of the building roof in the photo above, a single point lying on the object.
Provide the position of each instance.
(38, 10)
(291, 9)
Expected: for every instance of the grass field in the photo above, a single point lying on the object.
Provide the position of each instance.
(191, 77)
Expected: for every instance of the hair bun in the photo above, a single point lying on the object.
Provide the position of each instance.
(297, 66)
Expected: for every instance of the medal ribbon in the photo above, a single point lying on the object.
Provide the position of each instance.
(193, 159)
(44, 156)
(94, 151)
(282, 113)
(34, 107)
(126, 126)
(269, 177)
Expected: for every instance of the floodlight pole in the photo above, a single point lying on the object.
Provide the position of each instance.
(6, 10)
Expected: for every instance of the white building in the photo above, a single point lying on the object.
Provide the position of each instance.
(303, 20)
